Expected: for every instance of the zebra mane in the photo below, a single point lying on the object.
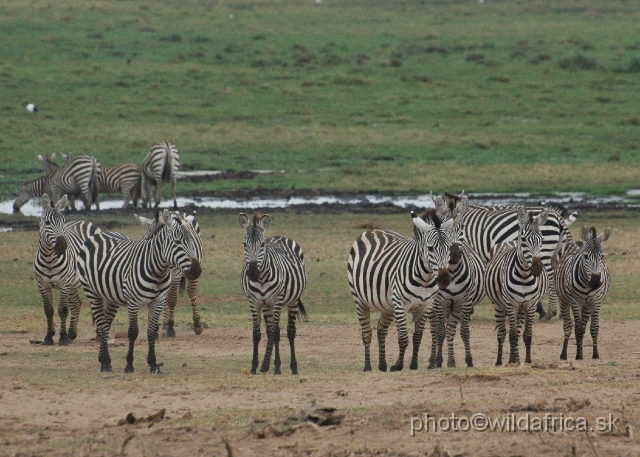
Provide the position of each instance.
(557, 208)
(452, 200)
(256, 218)
(530, 214)
(593, 231)
(430, 216)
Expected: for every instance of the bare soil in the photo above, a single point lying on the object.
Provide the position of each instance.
(54, 401)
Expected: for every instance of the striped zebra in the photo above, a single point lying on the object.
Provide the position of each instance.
(273, 277)
(487, 226)
(394, 275)
(125, 178)
(456, 301)
(31, 189)
(582, 282)
(160, 166)
(76, 176)
(178, 279)
(54, 266)
(115, 271)
(516, 280)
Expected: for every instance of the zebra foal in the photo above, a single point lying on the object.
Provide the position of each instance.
(115, 271)
(54, 266)
(273, 277)
(582, 282)
(515, 281)
(178, 279)
(394, 275)
(160, 166)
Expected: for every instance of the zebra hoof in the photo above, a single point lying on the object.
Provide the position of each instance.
(395, 368)
(431, 366)
(106, 368)
(413, 366)
(294, 371)
(155, 370)
(73, 334)
(499, 363)
(451, 364)
(64, 340)
(382, 367)
(579, 357)
(469, 364)
(48, 340)
(128, 369)
(596, 355)
(367, 368)
(171, 333)
(198, 329)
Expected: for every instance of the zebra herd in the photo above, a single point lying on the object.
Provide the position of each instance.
(459, 254)
(82, 176)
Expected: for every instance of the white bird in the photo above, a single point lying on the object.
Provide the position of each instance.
(31, 107)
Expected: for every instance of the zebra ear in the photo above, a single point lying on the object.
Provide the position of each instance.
(46, 201)
(604, 236)
(188, 219)
(522, 215)
(463, 204)
(441, 206)
(143, 220)
(167, 217)
(264, 221)
(542, 217)
(40, 158)
(62, 203)
(451, 223)
(584, 233)
(420, 223)
(243, 220)
(433, 198)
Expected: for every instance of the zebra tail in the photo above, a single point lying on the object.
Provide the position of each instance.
(303, 311)
(182, 286)
(168, 164)
(93, 183)
(556, 253)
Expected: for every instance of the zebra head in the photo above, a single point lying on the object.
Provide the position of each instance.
(592, 254)
(456, 237)
(254, 241)
(52, 225)
(530, 238)
(433, 236)
(450, 205)
(180, 251)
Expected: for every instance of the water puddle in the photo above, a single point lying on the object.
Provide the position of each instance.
(33, 208)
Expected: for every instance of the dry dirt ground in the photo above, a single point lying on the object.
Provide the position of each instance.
(54, 401)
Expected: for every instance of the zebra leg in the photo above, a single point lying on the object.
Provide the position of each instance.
(159, 190)
(273, 340)
(291, 335)
(585, 314)
(540, 310)
(579, 328)
(192, 291)
(146, 193)
(567, 323)
(74, 307)
(466, 311)
(364, 316)
(436, 321)
(420, 322)
(451, 330)
(595, 327)
(63, 313)
(132, 334)
(403, 337)
(47, 301)
(512, 315)
(102, 324)
(255, 314)
(155, 310)
(173, 191)
(499, 313)
(527, 335)
(383, 328)
(170, 305)
(268, 319)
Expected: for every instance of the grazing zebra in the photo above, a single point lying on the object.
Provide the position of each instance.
(466, 290)
(115, 271)
(178, 279)
(394, 275)
(125, 178)
(55, 266)
(273, 277)
(160, 166)
(31, 189)
(516, 280)
(487, 226)
(582, 282)
(76, 176)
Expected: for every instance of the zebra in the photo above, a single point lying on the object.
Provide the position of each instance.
(178, 279)
(487, 226)
(125, 178)
(273, 277)
(456, 301)
(115, 271)
(54, 266)
(76, 176)
(160, 166)
(31, 189)
(582, 282)
(515, 281)
(394, 275)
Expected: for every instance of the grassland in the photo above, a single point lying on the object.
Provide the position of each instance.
(343, 95)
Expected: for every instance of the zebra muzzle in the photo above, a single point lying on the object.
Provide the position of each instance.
(444, 278)
(252, 271)
(536, 266)
(61, 245)
(194, 271)
(595, 281)
(455, 253)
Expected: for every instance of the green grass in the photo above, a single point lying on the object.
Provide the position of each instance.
(342, 95)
